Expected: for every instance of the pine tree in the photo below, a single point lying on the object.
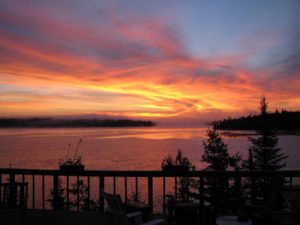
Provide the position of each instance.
(264, 151)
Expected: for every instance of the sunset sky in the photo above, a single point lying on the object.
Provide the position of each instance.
(148, 59)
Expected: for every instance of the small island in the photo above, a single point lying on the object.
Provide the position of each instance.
(283, 121)
(51, 122)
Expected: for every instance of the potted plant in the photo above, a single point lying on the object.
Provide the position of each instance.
(71, 165)
(179, 164)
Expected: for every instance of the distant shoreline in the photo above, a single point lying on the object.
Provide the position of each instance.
(283, 121)
(234, 133)
(71, 123)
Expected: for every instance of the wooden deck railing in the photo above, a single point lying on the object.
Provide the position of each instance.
(30, 175)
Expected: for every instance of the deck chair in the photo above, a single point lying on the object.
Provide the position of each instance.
(13, 202)
(117, 215)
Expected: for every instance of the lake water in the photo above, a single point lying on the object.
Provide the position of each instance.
(119, 148)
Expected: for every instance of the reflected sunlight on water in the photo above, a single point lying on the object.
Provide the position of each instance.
(118, 148)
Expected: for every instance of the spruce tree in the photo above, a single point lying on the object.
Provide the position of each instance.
(215, 152)
(264, 152)
(218, 159)
(265, 155)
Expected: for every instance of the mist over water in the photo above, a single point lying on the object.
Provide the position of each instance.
(119, 148)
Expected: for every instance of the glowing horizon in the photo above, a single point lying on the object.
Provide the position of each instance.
(161, 61)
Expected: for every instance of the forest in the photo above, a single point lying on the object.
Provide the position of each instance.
(284, 120)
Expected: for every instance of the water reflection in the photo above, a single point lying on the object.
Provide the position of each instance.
(119, 148)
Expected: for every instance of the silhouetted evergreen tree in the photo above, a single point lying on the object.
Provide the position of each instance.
(215, 152)
(264, 150)
(264, 154)
(216, 155)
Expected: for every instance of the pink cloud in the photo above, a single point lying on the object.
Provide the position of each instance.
(145, 60)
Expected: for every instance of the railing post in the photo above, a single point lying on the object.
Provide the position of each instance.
(55, 192)
(150, 192)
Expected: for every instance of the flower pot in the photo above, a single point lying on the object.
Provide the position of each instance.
(71, 168)
(175, 169)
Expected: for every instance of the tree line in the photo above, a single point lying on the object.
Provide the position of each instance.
(50, 122)
(283, 120)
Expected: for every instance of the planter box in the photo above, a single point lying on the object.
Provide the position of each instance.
(71, 168)
(175, 169)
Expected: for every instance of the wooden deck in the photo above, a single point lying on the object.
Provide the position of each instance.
(49, 217)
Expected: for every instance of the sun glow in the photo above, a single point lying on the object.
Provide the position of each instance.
(141, 68)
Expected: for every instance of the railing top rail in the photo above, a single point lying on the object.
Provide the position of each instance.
(152, 173)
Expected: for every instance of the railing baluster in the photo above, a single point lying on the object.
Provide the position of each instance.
(89, 192)
(114, 184)
(176, 188)
(215, 192)
(253, 189)
(188, 180)
(125, 188)
(12, 196)
(78, 189)
(102, 187)
(201, 192)
(164, 195)
(238, 182)
(0, 190)
(150, 193)
(55, 192)
(12, 178)
(68, 195)
(23, 181)
(23, 178)
(136, 189)
(43, 192)
(33, 191)
(290, 191)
